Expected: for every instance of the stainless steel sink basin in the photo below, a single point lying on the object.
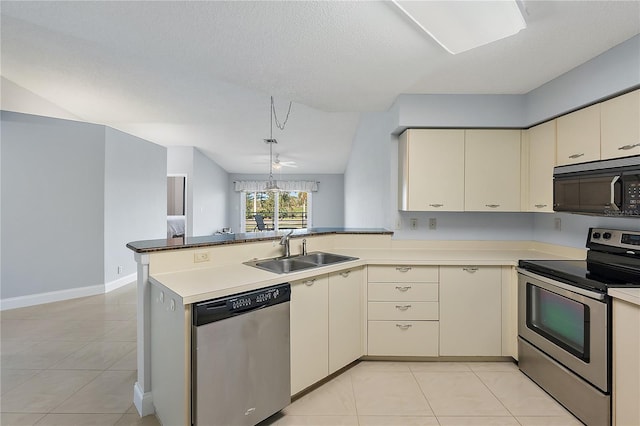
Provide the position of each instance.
(285, 265)
(321, 258)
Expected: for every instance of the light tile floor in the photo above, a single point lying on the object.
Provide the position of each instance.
(74, 363)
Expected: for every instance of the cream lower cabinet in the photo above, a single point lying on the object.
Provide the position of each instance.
(402, 311)
(470, 311)
(345, 317)
(309, 332)
(626, 363)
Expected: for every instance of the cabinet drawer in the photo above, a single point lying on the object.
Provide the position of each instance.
(403, 292)
(403, 338)
(402, 273)
(403, 311)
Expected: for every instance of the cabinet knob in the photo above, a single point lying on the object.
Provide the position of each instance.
(470, 269)
(492, 206)
(628, 147)
(403, 268)
(403, 326)
(539, 206)
(576, 155)
(436, 205)
(405, 288)
(309, 283)
(402, 307)
(345, 274)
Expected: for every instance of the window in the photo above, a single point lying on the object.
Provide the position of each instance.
(276, 210)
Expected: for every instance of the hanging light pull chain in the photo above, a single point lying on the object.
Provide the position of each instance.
(275, 116)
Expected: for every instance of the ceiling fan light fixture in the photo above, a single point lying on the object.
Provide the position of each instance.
(459, 26)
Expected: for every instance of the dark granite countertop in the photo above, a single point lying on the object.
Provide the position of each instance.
(147, 246)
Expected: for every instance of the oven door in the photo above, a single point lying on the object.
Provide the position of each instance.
(567, 323)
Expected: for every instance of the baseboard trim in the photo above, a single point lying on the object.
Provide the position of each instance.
(143, 401)
(51, 296)
(120, 282)
(57, 296)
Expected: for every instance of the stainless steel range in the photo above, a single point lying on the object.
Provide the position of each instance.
(564, 321)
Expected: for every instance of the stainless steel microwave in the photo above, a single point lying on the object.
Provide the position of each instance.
(605, 188)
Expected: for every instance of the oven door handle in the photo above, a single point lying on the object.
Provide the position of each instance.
(568, 287)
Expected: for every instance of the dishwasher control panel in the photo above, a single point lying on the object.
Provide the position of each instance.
(225, 307)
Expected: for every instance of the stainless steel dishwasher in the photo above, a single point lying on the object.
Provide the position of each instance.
(240, 357)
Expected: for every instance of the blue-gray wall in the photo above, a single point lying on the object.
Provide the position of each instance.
(73, 194)
(53, 176)
(135, 198)
(371, 178)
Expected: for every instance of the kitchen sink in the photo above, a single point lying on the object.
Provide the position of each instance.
(285, 265)
(322, 258)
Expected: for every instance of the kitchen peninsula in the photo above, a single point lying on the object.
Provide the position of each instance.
(174, 274)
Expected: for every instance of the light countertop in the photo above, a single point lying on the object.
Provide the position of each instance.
(631, 295)
(207, 283)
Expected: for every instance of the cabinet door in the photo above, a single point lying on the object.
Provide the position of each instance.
(431, 170)
(492, 170)
(579, 136)
(309, 332)
(620, 121)
(542, 159)
(470, 311)
(345, 318)
(626, 368)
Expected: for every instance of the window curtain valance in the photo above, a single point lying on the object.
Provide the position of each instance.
(284, 185)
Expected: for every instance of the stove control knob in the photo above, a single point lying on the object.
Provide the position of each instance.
(606, 235)
(596, 235)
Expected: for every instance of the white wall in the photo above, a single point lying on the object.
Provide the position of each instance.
(135, 195)
(327, 203)
(52, 205)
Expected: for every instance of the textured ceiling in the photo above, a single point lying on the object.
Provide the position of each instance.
(200, 73)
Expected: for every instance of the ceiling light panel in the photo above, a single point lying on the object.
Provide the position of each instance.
(459, 26)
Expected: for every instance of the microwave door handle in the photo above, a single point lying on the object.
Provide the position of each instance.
(613, 204)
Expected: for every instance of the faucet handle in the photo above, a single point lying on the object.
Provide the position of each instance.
(304, 246)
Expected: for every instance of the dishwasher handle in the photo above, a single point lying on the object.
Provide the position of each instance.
(237, 304)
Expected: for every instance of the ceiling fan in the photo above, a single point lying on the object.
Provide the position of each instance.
(277, 164)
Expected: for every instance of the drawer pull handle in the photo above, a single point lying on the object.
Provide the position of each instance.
(627, 147)
(309, 283)
(403, 268)
(405, 288)
(492, 206)
(403, 326)
(403, 307)
(470, 269)
(436, 205)
(345, 274)
(574, 156)
(539, 206)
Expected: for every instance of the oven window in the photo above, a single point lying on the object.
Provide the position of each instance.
(561, 320)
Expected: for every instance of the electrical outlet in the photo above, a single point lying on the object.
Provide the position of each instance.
(413, 223)
(120, 270)
(432, 223)
(201, 256)
(399, 223)
(557, 223)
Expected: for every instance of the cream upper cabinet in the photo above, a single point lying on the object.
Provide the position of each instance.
(620, 126)
(492, 170)
(470, 311)
(431, 170)
(345, 317)
(542, 159)
(309, 332)
(578, 136)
